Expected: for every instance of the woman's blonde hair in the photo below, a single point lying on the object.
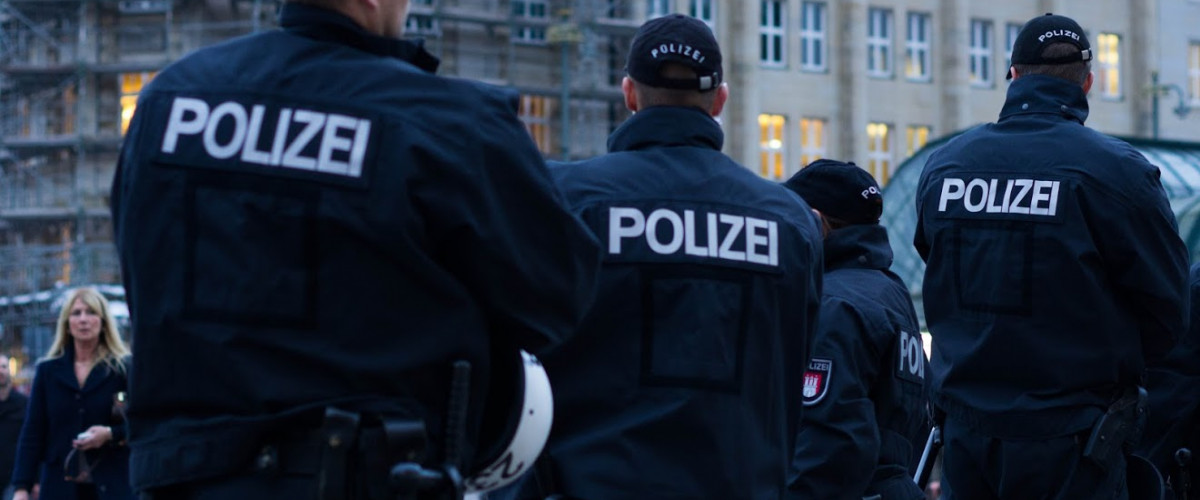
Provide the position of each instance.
(111, 350)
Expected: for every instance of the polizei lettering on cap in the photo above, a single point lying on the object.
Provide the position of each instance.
(1001, 196)
(340, 140)
(1054, 33)
(678, 48)
(729, 237)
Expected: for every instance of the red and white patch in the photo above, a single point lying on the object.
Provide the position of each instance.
(816, 380)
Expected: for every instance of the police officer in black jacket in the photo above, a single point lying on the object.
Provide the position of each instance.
(681, 382)
(866, 415)
(1172, 440)
(1055, 272)
(313, 229)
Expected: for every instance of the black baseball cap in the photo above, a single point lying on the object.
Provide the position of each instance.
(840, 190)
(680, 39)
(1042, 31)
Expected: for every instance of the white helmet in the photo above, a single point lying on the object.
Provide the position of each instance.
(516, 445)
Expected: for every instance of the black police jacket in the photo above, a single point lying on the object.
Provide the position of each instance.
(865, 394)
(309, 217)
(681, 382)
(1054, 266)
(1173, 386)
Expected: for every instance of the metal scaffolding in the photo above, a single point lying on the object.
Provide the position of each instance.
(70, 71)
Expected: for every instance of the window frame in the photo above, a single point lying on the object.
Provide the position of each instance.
(979, 54)
(530, 35)
(776, 169)
(880, 159)
(922, 47)
(813, 134)
(814, 40)
(879, 45)
(1106, 69)
(776, 33)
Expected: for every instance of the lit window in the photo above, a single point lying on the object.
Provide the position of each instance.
(131, 85)
(917, 46)
(879, 43)
(770, 34)
(915, 137)
(704, 10)
(1108, 60)
(1194, 73)
(879, 151)
(812, 37)
(1011, 31)
(535, 114)
(658, 8)
(812, 140)
(980, 54)
(529, 10)
(771, 146)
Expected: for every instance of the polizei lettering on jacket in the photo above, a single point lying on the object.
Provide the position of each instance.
(1000, 196)
(270, 136)
(693, 233)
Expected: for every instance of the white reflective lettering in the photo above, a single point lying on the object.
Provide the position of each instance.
(652, 231)
(617, 230)
(755, 239)
(249, 153)
(178, 125)
(228, 150)
(952, 189)
(727, 251)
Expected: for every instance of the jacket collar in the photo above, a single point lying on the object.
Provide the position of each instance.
(1042, 94)
(331, 26)
(63, 368)
(666, 126)
(858, 246)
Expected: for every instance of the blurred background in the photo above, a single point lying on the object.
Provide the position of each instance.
(878, 82)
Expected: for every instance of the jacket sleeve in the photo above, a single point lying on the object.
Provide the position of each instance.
(1148, 262)
(504, 230)
(31, 444)
(837, 446)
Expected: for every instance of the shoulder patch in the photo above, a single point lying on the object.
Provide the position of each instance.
(910, 358)
(816, 380)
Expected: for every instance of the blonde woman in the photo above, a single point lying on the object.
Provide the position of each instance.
(72, 440)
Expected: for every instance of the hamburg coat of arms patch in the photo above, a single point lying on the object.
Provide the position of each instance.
(816, 380)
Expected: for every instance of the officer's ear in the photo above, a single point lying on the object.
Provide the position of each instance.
(719, 102)
(1087, 83)
(630, 95)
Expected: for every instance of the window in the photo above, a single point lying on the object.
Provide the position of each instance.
(879, 151)
(915, 137)
(770, 37)
(535, 114)
(1194, 73)
(524, 10)
(916, 67)
(131, 86)
(812, 37)
(704, 10)
(980, 54)
(879, 43)
(421, 24)
(812, 140)
(770, 146)
(1108, 59)
(658, 8)
(1010, 38)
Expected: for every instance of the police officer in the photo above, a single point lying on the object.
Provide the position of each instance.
(1172, 439)
(680, 382)
(865, 395)
(1055, 271)
(323, 244)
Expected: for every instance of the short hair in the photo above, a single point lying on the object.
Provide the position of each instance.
(656, 96)
(1075, 71)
